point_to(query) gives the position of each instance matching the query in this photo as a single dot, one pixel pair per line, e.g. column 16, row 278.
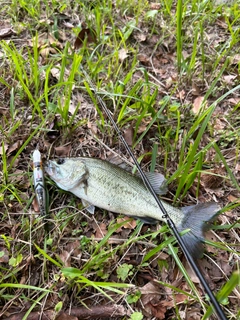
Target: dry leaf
column 14, row 147
column 232, row 198
column 128, row 136
column 122, row 54
column 56, row 71
column 101, row 230
column 35, row 205
column 5, row 148
column 46, row 44
column 219, row 125
column 44, row 52
column 72, row 107
column 212, row 181
column 181, row 94
column 229, row 78
column 143, row 58
column 65, row 256
column 195, row 90
column 85, row 33
column 63, row 151
column 151, row 301
column 5, row 32
column 191, row 273
column 140, row 37
column 4, row 258
column 93, row 127
column 234, row 101
column 128, row 225
column 68, row 25
column 155, row 6
column 235, row 59
column 197, row 104
column 169, row 82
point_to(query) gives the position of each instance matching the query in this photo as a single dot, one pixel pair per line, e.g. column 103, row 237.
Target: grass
column 149, row 64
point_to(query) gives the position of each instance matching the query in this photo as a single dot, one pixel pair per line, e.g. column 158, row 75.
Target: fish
column 105, row 185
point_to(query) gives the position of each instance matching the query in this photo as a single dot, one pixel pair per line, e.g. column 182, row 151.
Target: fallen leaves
column 5, row 32
column 63, row 151
column 46, row 44
column 122, row 54
column 86, row 34
column 156, row 301
column 14, row 147
column 197, row 104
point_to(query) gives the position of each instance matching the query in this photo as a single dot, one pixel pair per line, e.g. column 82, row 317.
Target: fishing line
column 169, row 221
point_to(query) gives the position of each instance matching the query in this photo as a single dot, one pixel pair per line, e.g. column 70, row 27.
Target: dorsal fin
column 157, row 181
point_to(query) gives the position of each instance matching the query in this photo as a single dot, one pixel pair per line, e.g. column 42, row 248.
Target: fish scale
column 107, row 186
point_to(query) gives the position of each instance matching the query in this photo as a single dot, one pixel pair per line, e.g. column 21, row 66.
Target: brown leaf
column 65, row 256
column 45, row 40
column 151, row 295
column 55, row 72
column 122, row 54
column 155, row 6
column 5, row 148
column 234, row 101
column 232, row 198
column 85, row 33
column 101, row 230
column 209, row 235
column 159, row 311
column 63, row 151
column 128, row 135
column 14, row 147
column 229, row 79
column 35, row 205
column 212, row 181
column 191, row 273
column 5, row 257
column 180, row 298
column 93, row 127
column 181, row 94
column 140, row 37
column 72, row 107
column 143, row 58
column 128, row 225
column 74, row 247
column 5, row 32
column 197, row 104
column 195, row 89
column 235, row 59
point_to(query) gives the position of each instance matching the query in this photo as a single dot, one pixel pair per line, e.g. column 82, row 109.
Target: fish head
column 66, row 172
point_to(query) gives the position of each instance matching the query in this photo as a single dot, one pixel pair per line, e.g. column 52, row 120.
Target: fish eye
column 60, row 161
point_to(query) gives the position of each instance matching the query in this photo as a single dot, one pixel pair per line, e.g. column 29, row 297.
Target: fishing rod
column 169, row 221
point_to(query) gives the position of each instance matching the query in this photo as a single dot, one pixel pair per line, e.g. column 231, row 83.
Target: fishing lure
column 38, row 178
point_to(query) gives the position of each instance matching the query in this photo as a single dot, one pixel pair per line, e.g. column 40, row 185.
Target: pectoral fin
column 89, row 207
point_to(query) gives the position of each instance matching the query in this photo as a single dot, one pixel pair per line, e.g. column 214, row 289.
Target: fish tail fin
column 197, row 218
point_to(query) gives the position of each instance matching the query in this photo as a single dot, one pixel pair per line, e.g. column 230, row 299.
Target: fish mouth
column 49, row 167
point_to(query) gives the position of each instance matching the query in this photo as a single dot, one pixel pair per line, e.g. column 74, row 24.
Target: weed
column 148, row 64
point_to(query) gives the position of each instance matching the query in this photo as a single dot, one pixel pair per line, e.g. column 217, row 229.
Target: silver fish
column 107, row 186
